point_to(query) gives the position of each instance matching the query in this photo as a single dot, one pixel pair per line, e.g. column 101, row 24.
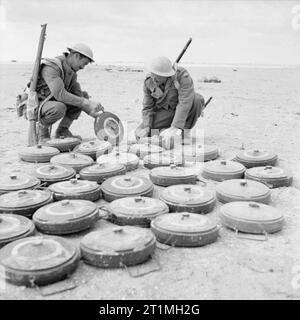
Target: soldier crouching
column 60, row 95
column 170, row 103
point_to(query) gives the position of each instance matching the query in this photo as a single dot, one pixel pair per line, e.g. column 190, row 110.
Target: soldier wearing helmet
column 60, row 94
column 170, row 101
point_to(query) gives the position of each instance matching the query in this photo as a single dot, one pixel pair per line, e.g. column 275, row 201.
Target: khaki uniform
column 176, row 104
column 58, row 91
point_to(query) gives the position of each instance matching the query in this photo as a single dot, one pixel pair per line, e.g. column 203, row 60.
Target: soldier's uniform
column 58, row 91
column 175, row 104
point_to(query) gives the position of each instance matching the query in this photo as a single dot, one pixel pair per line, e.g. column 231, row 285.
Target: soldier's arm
column 52, row 77
column 76, row 89
column 148, row 107
column 186, row 94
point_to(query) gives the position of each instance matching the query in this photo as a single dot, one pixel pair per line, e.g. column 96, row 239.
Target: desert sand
column 255, row 107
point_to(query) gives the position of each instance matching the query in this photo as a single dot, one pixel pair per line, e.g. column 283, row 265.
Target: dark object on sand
column 172, row 175
column 165, row 159
column 212, row 79
column 221, row 170
column 243, row 190
column 188, row 198
column 125, row 186
column 38, row 153
column 66, row 216
column 24, row 202
column 101, row 171
column 94, row 148
column 63, row 144
column 75, row 189
column 74, row 160
column 118, row 247
column 14, row 227
column 17, row 181
column 50, row 173
column 41, row 260
column 184, row 229
column 256, row 158
column 136, row 211
column 129, row 160
column 273, row 177
column 251, row 217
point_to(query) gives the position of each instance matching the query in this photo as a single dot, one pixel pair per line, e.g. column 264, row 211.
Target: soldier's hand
column 93, row 108
column 142, row 132
column 170, row 137
column 86, row 95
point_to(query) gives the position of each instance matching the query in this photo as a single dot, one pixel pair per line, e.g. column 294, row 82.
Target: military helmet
column 162, row 66
column 82, row 49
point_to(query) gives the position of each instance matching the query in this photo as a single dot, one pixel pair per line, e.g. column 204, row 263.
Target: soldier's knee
column 59, row 110
column 52, row 112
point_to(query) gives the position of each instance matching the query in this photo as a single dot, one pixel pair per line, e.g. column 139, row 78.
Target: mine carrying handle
column 183, row 50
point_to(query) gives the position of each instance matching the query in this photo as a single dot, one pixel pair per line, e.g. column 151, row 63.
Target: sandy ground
column 252, row 107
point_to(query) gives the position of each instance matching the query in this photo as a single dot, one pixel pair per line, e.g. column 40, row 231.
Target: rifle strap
column 41, row 105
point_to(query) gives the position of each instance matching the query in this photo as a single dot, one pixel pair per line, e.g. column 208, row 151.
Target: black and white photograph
column 148, row 152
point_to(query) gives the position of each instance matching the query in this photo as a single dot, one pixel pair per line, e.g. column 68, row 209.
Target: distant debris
column 122, row 69
column 234, row 69
column 129, row 69
column 13, row 109
column 210, row 79
column 13, row 60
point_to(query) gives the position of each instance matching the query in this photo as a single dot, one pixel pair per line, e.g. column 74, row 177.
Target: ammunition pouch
column 21, row 104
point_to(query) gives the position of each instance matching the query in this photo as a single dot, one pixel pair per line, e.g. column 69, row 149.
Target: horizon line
column 139, row 63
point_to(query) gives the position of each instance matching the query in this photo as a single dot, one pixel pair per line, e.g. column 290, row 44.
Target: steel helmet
column 82, row 49
column 162, row 66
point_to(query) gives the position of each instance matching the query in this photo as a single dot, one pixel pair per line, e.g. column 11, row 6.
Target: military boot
column 63, row 129
column 43, row 133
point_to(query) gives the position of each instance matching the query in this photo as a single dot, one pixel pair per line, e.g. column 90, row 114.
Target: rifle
column 32, row 101
column 177, row 61
column 183, row 51
column 180, row 56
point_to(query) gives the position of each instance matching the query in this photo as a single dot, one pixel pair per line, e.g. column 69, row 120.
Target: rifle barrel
column 38, row 58
column 183, row 50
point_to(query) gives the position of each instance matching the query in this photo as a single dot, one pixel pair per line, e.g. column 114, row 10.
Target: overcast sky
column 256, row 32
